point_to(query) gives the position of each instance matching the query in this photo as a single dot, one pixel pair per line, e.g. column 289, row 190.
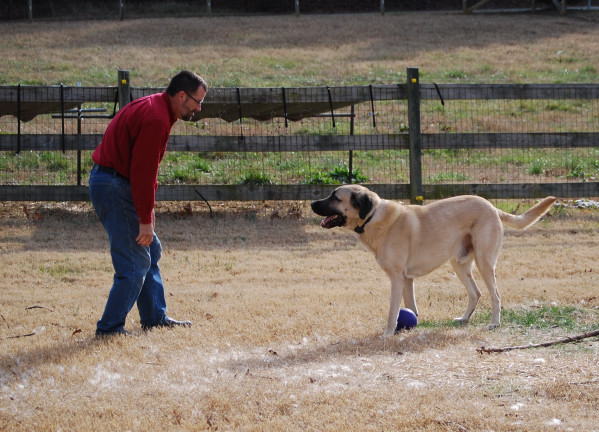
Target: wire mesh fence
column 550, row 139
column 293, row 158
column 497, row 141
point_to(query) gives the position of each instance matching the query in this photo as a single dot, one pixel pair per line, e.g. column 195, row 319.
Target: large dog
column 409, row 241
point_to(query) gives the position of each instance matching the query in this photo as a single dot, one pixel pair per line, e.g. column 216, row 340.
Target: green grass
column 567, row 318
column 538, row 166
column 255, row 178
column 180, row 167
column 443, row 177
column 566, row 164
column 439, row 166
column 53, row 161
column 339, row 175
column 583, row 168
column 61, row 269
column 544, row 317
column 455, row 75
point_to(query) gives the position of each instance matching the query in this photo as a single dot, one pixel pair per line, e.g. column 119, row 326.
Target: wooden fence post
column 382, row 7
column 30, row 9
column 121, row 10
column 415, row 136
column 209, row 7
column 297, row 8
column 124, row 88
column 19, row 119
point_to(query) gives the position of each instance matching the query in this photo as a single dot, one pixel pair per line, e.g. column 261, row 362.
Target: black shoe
column 104, row 333
column 167, row 322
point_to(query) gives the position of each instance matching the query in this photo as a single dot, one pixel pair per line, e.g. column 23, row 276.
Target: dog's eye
column 335, row 198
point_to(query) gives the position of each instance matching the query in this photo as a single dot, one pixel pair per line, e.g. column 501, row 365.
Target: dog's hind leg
column 409, row 299
column 486, row 267
column 487, row 245
column 463, row 269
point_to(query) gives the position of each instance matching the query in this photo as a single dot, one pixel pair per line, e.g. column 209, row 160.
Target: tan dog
column 409, row 241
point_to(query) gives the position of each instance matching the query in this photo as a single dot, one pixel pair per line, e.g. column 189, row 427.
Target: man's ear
column 363, row 202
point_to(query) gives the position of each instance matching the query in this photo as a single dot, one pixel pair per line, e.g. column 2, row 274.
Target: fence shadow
column 180, row 226
column 73, row 227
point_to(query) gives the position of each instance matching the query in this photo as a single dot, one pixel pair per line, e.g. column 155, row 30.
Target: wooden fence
column 210, row 7
column 27, row 101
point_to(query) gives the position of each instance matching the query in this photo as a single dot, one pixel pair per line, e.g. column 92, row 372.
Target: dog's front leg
column 397, row 286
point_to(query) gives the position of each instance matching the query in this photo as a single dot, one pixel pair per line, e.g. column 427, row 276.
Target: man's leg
column 111, row 197
column 151, row 302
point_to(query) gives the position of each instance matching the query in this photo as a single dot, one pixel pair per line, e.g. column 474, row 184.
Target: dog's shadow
column 405, row 342
column 21, row 361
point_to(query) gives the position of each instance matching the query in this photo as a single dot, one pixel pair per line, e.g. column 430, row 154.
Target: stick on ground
column 545, row 344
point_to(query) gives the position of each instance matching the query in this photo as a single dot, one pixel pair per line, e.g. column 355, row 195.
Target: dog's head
column 347, row 206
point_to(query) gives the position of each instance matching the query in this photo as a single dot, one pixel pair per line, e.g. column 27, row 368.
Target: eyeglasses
column 197, row 101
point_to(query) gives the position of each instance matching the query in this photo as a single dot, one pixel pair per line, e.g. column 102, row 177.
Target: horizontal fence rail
column 414, row 141
column 55, row 142
column 123, row 9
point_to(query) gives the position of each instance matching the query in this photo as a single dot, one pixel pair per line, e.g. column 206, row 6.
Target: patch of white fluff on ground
column 517, row 406
column 554, row 422
column 105, row 379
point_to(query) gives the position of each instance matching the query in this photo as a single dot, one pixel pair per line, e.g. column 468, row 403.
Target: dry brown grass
column 309, row 50
column 287, row 318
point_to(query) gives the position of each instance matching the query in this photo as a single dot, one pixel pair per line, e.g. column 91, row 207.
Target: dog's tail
column 525, row 220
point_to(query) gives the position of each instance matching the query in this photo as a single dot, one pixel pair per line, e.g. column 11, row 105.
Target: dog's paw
column 460, row 321
column 387, row 334
column 492, row 326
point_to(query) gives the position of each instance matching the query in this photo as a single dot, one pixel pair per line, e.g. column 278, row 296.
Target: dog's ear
column 363, row 202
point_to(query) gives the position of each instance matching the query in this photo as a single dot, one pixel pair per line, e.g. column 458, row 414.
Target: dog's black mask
column 325, row 207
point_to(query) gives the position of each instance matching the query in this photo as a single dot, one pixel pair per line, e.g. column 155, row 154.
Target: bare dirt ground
column 287, row 318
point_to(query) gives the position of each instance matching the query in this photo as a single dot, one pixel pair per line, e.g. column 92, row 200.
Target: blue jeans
column 136, row 272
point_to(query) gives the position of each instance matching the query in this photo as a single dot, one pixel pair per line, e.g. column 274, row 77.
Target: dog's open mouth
column 333, row 221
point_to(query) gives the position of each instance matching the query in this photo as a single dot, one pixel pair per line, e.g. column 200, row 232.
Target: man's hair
column 185, row 81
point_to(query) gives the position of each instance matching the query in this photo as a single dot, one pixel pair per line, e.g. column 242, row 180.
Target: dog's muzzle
column 333, row 217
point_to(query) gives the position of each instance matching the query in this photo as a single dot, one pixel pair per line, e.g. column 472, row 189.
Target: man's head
column 187, row 91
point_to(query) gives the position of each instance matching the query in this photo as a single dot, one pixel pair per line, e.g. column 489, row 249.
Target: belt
column 108, row 170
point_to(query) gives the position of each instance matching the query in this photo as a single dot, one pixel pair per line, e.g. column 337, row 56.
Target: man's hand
column 146, row 234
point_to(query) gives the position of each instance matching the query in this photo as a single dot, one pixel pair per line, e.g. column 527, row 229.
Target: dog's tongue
column 325, row 222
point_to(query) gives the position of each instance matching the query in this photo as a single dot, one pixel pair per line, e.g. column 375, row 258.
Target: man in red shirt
column 122, row 187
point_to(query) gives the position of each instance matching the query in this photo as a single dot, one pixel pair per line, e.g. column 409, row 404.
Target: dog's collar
column 360, row 229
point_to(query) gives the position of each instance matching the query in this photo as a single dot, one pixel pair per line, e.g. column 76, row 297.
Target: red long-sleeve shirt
column 134, row 144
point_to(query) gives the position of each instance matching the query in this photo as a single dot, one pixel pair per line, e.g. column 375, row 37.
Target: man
column 122, row 188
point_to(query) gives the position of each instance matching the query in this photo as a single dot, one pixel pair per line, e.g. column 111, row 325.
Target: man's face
column 192, row 103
